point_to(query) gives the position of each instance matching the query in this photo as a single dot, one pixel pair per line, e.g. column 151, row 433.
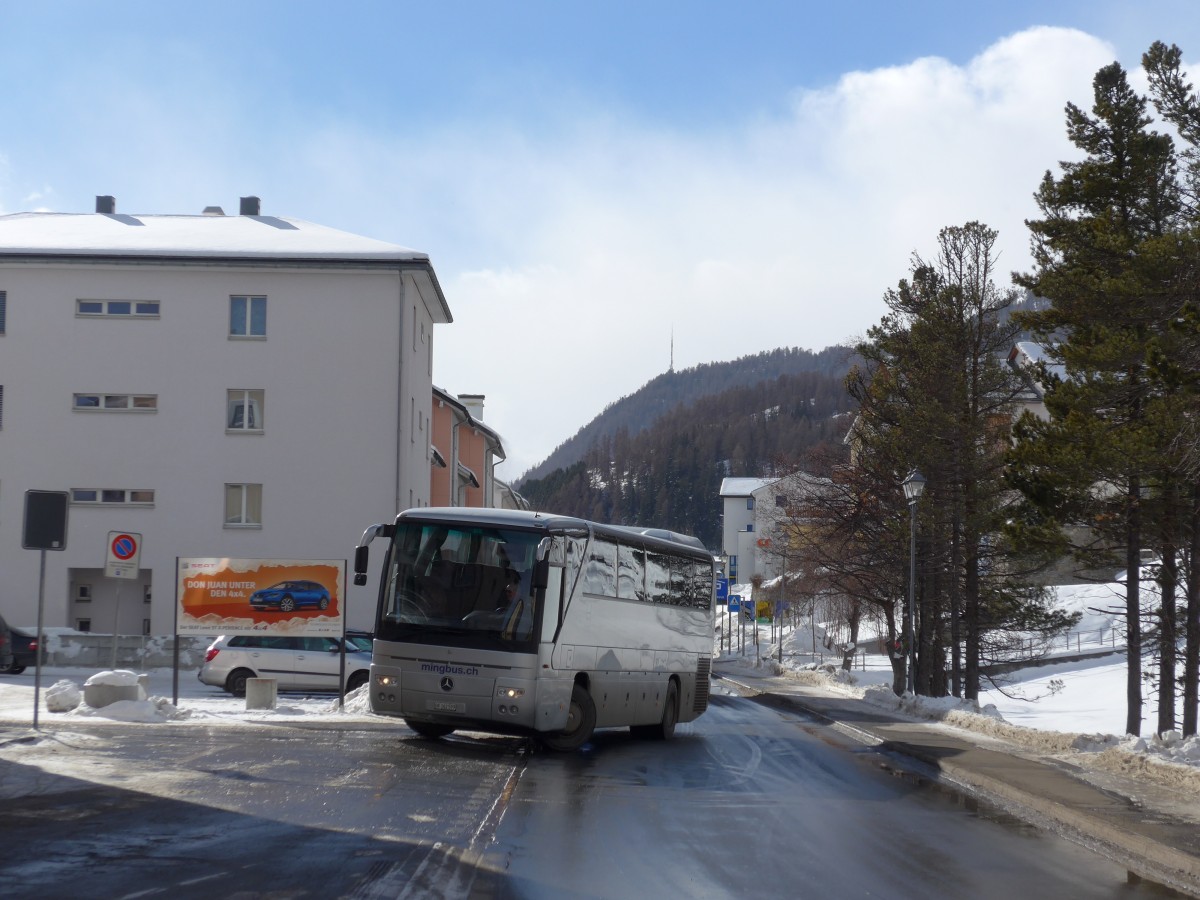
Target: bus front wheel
column 581, row 722
column 428, row 729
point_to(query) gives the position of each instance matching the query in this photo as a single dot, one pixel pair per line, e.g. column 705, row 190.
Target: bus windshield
column 470, row 581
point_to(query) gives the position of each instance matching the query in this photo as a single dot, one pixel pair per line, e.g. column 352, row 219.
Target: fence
column 1072, row 642
column 133, row 651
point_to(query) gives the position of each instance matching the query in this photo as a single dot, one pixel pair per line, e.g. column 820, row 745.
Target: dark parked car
column 289, row 595
column 24, row 650
column 6, row 655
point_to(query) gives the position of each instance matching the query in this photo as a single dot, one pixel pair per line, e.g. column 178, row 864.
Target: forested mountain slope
column 661, row 395
column 668, row 475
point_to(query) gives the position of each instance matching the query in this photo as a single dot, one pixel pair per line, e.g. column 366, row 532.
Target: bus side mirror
column 361, row 556
column 540, row 576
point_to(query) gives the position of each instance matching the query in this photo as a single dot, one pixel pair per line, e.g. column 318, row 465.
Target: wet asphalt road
column 746, row 801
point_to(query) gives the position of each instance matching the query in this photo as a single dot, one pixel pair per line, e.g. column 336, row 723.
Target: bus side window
column 600, row 569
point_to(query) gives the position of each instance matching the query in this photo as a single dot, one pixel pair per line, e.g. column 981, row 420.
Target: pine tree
column 1094, row 462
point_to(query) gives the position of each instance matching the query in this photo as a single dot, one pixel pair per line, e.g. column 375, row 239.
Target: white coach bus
column 528, row 623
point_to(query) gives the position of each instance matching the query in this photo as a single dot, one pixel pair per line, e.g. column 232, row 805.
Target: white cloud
column 569, row 253
column 772, row 233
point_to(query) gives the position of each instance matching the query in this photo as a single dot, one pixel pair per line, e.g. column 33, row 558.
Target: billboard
column 252, row 596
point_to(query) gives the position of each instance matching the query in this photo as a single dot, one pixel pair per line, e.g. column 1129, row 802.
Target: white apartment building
column 223, row 385
column 741, row 528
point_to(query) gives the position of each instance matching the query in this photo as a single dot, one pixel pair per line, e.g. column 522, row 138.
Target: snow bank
column 1168, row 760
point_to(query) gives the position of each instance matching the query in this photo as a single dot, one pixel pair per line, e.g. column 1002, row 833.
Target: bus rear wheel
column 664, row 730
column 581, row 722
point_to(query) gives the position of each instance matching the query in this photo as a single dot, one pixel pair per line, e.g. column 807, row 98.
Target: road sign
column 45, row 520
column 123, row 555
column 722, row 588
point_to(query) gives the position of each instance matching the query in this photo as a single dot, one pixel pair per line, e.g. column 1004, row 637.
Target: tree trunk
column 1167, row 634
column 1191, row 653
column 956, row 610
column 1133, row 621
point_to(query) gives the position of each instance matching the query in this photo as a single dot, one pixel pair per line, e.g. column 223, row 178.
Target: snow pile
column 358, row 703
column 152, row 709
column 63, row 696
column 118, row 678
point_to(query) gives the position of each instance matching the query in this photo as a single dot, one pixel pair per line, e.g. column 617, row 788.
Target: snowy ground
column 1073, row 710
column 198, row 703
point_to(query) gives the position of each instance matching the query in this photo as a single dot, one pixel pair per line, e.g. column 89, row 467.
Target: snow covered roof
column 1025, row 356
column 114, row 234
column 243, row 239
column 743, row 487
column 466, row 475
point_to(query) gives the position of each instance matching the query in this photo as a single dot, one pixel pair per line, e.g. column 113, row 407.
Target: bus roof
column 518, row 518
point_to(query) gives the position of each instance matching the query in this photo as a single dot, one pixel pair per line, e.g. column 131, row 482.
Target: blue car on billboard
column 289, row 595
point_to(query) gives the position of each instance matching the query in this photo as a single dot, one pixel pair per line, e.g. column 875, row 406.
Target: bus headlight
column 510, row 693
column 387, row 680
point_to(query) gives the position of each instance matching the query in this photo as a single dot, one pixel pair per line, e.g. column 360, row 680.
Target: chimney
column 213, row 211
column 474, row 405
column 250, row 206
column 106, row 204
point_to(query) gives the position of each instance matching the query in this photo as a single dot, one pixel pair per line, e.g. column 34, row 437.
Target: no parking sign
column 123, row 555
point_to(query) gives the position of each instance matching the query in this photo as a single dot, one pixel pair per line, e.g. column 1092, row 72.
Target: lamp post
column 913, row 485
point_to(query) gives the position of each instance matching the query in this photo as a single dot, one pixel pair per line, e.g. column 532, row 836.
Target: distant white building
column 225, row 386
column 741, row 528
column 758, row 515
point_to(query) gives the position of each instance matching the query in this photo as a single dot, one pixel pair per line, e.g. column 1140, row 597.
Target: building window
column 248, row 317
column 145, row 626
column 3, row 310
column 243, row 505
column 83, row 593
column 116, row 402
column 1, row 406
column 749, row 503
column 781, row 501
column 118, row 309
column 84, row 625
column 244, row 411
column 111, row 497
column 146, row 593
column 750, row 526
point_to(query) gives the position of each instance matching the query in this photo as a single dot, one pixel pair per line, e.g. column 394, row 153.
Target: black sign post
column 45, row 529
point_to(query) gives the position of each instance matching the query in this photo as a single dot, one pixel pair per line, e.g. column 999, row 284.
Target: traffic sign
column 123, row 555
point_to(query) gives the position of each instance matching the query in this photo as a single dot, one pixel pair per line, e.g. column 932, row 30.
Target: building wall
column 344, row 444
column 441, row 478
column 735, row 539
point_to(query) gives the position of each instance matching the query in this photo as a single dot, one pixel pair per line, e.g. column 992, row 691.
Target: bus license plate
column 445, row 706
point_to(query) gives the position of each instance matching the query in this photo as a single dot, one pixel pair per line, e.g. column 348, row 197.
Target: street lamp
column 913, row 486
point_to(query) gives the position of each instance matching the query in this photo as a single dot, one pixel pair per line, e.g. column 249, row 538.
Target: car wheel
column 287, row 604
column 15, row 669
column 324, row 603
column 357, row 680
column 236, row 682
column 581, row 722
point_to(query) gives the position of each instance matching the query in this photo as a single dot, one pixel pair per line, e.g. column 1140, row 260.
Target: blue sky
column 587, row 178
